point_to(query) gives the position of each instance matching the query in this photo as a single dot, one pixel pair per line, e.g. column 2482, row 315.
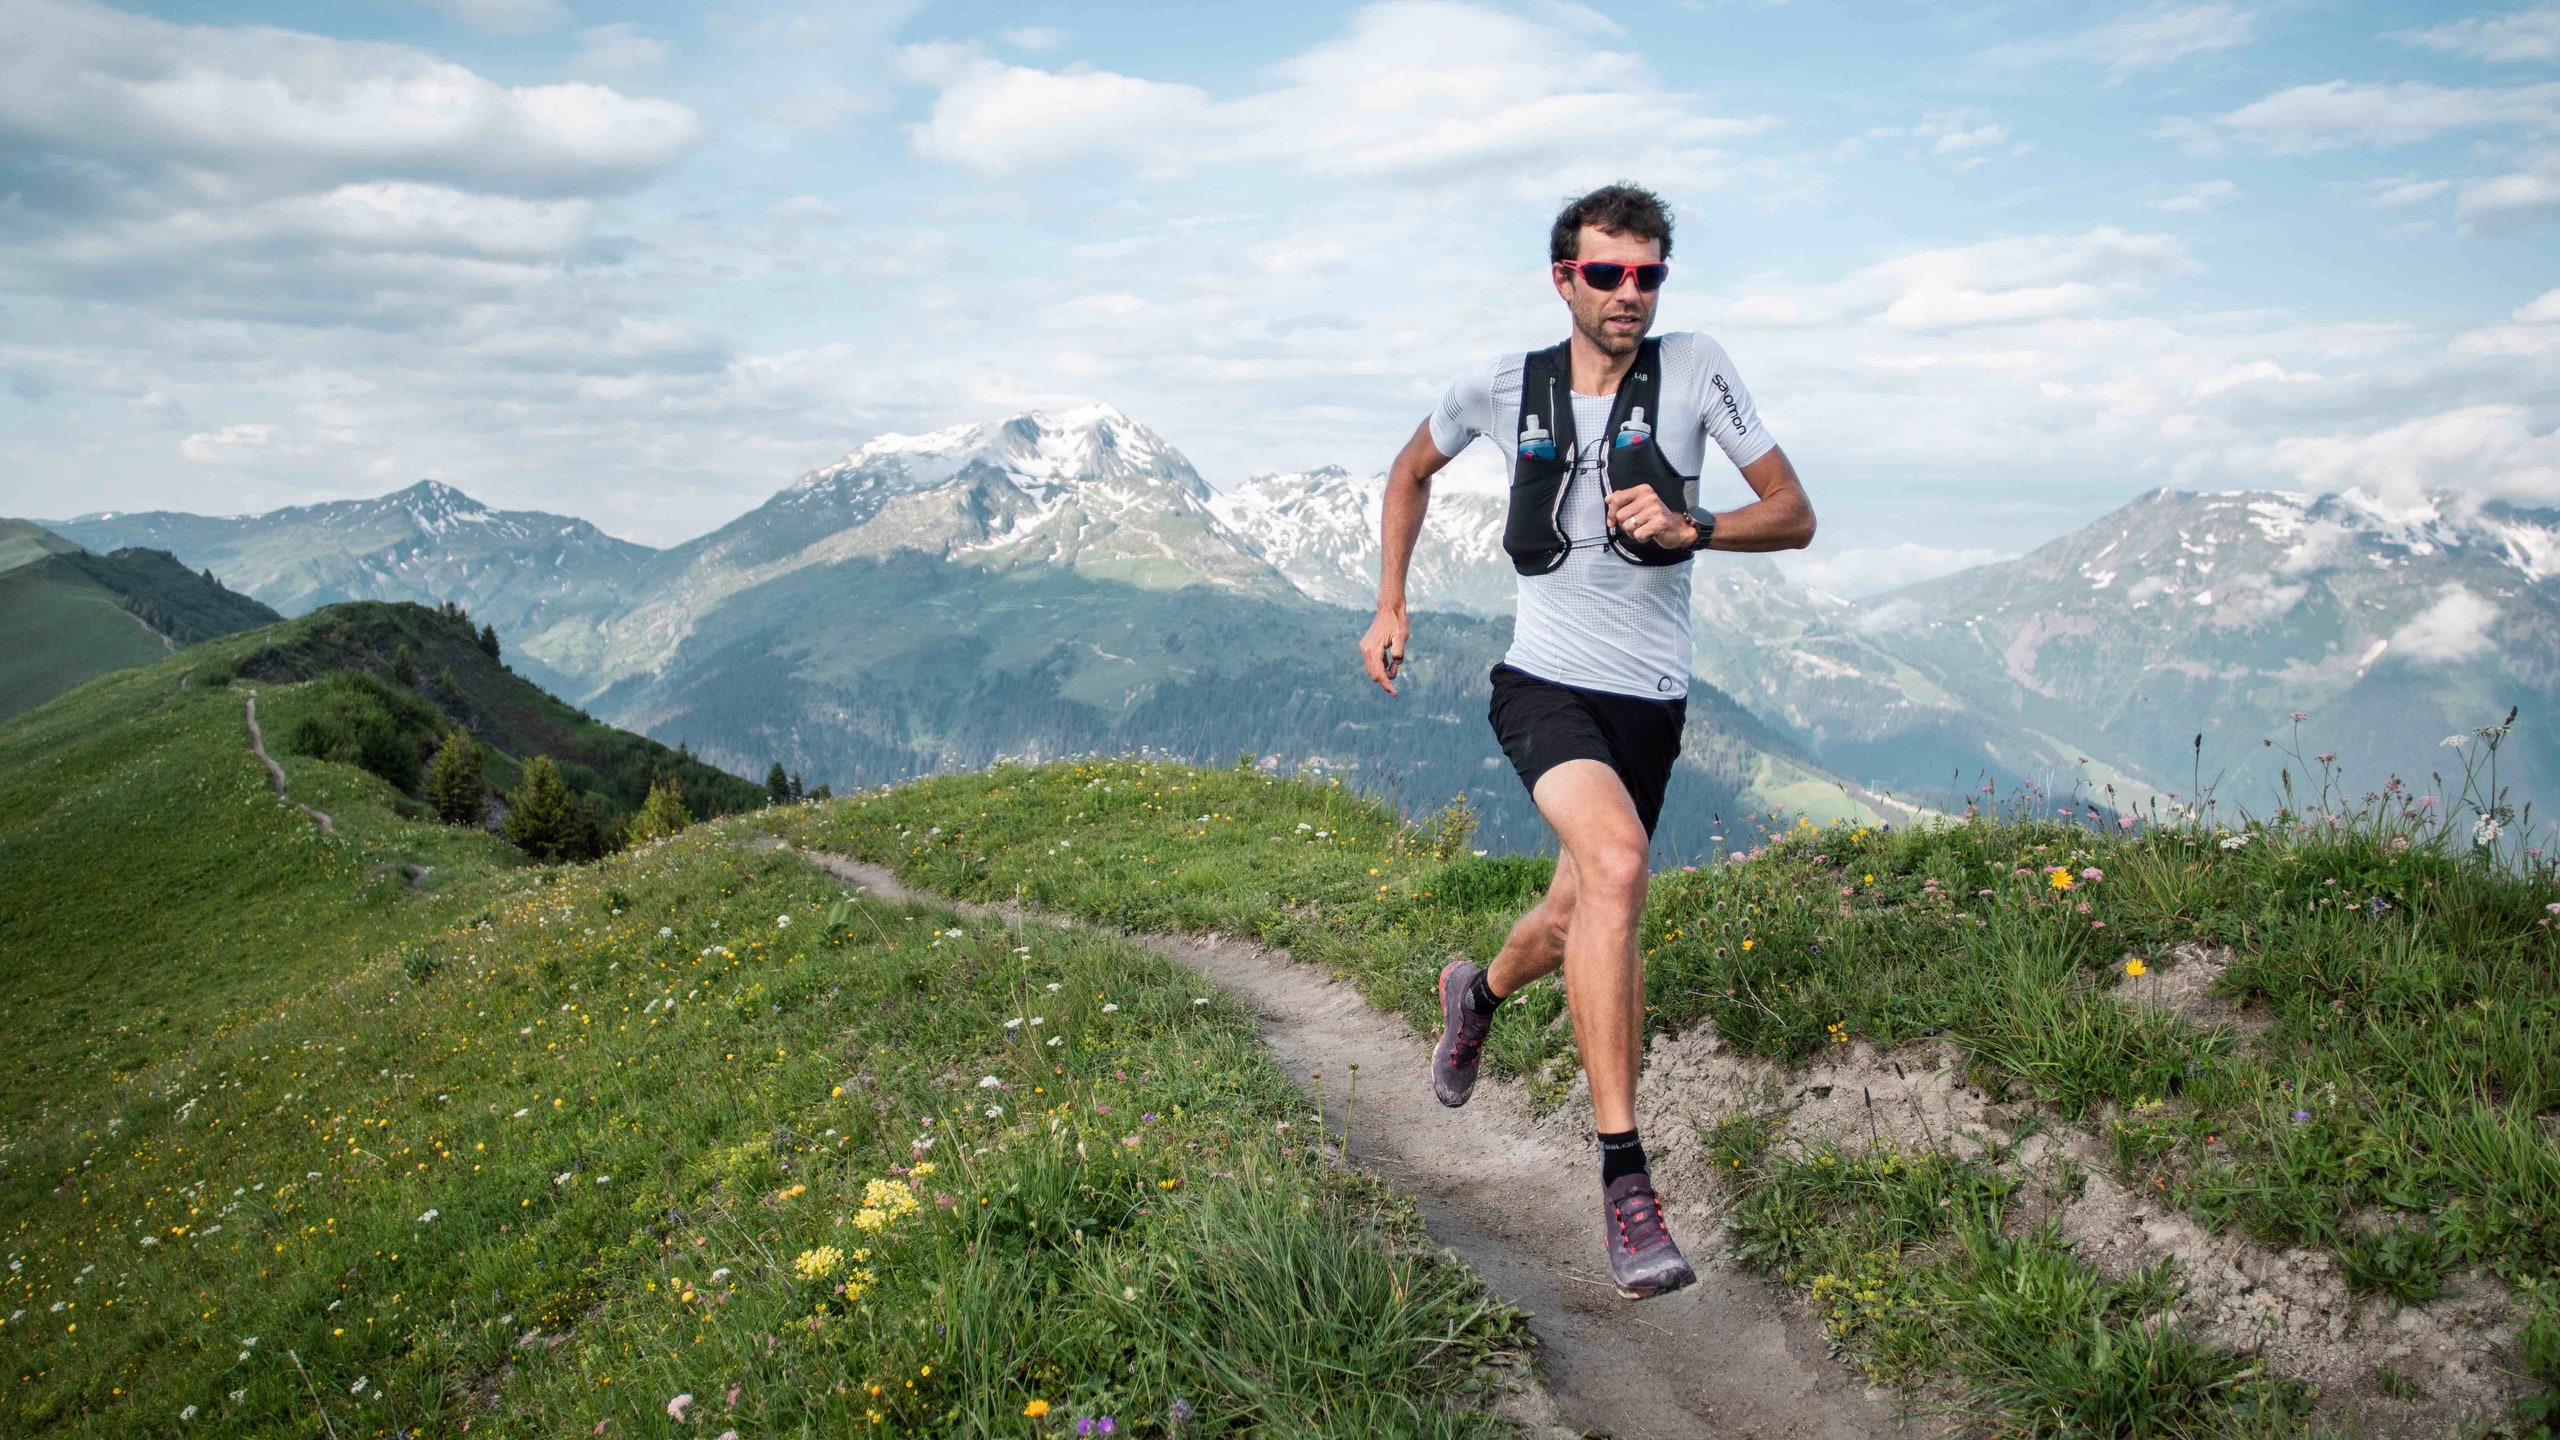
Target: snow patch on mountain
column 1321, row 528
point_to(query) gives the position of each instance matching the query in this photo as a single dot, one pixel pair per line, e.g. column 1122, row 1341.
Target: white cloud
column 1034, row 37
column 2401, row 192
column 1002, row 119
column 2339, row 113
column 2477, row 449
column 506, row 17
column 228, row 445
column 2139, row 40
column 2518, row 37
column 1416, row 89
column 2514, row 200
column 1872, row 570
column 276, row 109
column 2455, row 627
column 2202, row 195
column 613, row 49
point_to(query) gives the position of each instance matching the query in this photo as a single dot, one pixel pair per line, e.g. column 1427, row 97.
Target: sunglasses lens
column 1650, row 277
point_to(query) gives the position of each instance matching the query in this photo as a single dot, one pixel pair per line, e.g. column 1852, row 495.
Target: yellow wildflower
column 2059, row 878
column 1036, row 1409
column 2136, row 969
column 818, row 1264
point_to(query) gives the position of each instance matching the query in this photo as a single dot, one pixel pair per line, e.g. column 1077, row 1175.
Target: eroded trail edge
column 1728, row 1357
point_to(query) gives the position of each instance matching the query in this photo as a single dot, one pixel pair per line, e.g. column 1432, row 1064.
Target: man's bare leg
column 1597, row 830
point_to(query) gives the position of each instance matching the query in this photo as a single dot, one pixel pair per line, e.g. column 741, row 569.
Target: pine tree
column 777, row 783
column 662, row 814
column 796, row 791
column 489, row 640
column 454, row 784
column 547, row 820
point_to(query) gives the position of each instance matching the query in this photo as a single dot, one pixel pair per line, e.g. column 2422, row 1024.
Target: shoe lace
column 1469, row 1040
column 1639, row 1217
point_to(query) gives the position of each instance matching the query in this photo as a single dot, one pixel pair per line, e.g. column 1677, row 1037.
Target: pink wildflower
column 676, row 1407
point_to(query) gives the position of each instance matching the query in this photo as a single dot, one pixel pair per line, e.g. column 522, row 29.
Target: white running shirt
column 1597, row 622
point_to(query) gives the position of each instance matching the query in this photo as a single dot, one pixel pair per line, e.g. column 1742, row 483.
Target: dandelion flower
column 1036, row 1409
column 2136, row 969
column 2059, row 878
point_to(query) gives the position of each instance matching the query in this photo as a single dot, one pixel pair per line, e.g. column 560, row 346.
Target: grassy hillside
column 23, row 542
column 304, row 1149
column 2387, row 1101
column 434, row 655
column 67, row 616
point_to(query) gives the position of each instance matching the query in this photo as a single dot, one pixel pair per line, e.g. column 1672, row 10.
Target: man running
column 1604, row 435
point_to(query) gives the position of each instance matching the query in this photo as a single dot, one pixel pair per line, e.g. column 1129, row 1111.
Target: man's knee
column 1612, row 871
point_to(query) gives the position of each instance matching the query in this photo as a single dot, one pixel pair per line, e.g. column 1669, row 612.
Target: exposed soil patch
column 2184, row 985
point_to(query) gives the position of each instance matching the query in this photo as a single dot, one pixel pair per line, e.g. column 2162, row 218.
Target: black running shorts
column 1542, row 724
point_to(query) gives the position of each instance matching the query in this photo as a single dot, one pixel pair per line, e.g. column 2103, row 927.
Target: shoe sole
column 1683, row 1283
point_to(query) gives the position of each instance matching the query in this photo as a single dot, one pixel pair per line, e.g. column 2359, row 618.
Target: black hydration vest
column 1544, row 465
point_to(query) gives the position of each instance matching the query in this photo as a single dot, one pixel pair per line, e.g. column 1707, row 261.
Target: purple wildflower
column 2301, row 1114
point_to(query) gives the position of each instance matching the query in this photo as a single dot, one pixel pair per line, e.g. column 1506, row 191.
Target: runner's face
column 1614, row 320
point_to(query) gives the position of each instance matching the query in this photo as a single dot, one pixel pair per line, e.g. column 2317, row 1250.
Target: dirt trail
column 275, row 772
column 1520, row 1202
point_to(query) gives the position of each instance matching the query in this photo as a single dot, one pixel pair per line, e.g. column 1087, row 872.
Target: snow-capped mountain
column 523, row 570
column 1087, row 490
column 1320, row 528
column 2225, row 613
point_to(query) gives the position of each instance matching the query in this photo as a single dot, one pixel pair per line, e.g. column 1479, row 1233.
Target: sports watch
column 1705, row 520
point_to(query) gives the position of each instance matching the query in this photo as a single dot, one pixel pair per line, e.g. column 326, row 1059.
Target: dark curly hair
column 1613, row 209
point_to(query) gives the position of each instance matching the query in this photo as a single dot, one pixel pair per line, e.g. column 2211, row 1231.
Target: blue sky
column 1990, row 271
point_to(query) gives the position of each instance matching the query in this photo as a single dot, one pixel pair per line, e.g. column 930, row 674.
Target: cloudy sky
column 1989, row 272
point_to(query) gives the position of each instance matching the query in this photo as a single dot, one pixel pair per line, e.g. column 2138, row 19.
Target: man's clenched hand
column 1382, row 648
column 1639, row 514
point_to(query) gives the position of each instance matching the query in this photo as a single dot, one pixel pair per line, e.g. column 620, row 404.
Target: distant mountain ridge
column 2096, row 658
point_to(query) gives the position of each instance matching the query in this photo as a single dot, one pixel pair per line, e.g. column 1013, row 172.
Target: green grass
column 550, row 1147
column 153, row 891
column 58, row 628
column 2411, row 991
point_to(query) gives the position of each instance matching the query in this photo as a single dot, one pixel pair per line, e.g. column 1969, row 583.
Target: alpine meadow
column 1432, row 719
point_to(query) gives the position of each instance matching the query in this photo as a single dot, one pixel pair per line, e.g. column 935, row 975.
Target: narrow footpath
column 1726, row 1358
column 275, row 772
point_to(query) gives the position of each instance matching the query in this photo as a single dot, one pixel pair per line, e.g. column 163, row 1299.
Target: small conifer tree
column 662, row 814
column 489, row 640
column 777, row 783
column 454, row 780
column 547, row 820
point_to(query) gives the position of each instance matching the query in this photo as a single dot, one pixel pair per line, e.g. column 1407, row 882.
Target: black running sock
column 1620, row 1154
column 1480, row 997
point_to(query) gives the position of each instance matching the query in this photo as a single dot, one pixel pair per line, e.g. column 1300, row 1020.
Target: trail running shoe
column 1462, row 1032
column 1642, row 1258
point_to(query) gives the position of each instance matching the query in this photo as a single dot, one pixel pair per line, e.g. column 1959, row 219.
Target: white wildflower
column 1111, row 1009
column 989, row 1083
column 2234, row 842
column 995, row 1112
column 1054, row 986
column 1200, row 1000
column 664, row 931
column 428, row 1217
column 187, row 1414
column 1057, row 1039
column 1038, row 1019
column 781, row 922
column 1014, row 1024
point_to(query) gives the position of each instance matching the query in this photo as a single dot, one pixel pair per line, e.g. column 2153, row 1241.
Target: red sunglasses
column 1609, row 274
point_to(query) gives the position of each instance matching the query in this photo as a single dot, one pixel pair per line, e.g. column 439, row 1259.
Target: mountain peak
column 1042, row 453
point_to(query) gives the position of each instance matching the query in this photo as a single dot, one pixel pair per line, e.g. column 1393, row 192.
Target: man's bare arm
column 1408, row 495
column 1781, row 519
